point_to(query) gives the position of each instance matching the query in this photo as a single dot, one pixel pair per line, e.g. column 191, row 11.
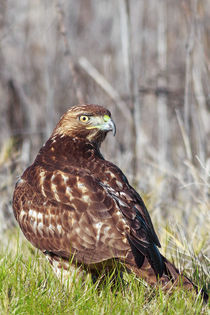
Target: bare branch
column 163, row 128
column 106, row 86
column 184, row 136
column 67, row 53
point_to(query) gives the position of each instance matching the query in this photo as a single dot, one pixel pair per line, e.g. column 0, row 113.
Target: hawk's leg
column 107, row 272
column 67, row 272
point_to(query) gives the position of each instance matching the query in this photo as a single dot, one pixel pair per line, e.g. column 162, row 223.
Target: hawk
column 80, row 210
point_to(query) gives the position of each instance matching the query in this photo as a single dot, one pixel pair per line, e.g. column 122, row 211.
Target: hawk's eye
column 84, row 118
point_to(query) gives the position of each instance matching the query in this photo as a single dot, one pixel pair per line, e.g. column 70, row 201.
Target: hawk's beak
column 109, row 126
column 104, row 123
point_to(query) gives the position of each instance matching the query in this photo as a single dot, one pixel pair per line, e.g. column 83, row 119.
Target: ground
column 29, row 286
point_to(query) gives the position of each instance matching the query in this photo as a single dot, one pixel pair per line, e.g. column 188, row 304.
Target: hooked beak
column 109, row 126
column 105, row 124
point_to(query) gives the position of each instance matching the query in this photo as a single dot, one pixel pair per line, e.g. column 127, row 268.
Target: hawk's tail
column 170, row 279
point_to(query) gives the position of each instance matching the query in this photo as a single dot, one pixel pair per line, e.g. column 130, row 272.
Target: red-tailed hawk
column 75, row 206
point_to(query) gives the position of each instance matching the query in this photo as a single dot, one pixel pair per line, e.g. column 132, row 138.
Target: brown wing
column 129, row 201
column 64, row 213
column 142, row 237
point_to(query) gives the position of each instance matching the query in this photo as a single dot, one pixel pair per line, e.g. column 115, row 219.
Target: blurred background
column 148, row 62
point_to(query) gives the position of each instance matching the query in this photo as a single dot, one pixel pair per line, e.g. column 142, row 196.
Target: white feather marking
column 98, row 226
column 110, row 190
column 121, row 203
column 54, row 189
column 59, row 228
column 126, row 196
column 32, row 213
column 119, row 184
column 42, row 178
column 34, row 226
column 40, row 228
column 85, row 198
column 80, row 185
column 125, row 240
column 51, row 228
column 22, row 213
column 65, row 178
column 40, row 216
column 77, row 230
column 119, row 214
column 68, row 192
column 20, row 181
column 106, row 229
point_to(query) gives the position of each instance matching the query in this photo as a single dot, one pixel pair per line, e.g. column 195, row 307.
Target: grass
column 29, row 286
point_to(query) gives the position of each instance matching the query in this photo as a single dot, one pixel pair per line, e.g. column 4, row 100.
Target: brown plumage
column 72, row 204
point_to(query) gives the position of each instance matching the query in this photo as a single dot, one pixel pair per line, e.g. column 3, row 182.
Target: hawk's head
column 91, row 122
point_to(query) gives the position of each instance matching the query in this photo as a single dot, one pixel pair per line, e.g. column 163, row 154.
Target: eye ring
column 84, row 118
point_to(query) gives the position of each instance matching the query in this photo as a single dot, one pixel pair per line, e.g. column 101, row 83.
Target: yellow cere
column 106, row 118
